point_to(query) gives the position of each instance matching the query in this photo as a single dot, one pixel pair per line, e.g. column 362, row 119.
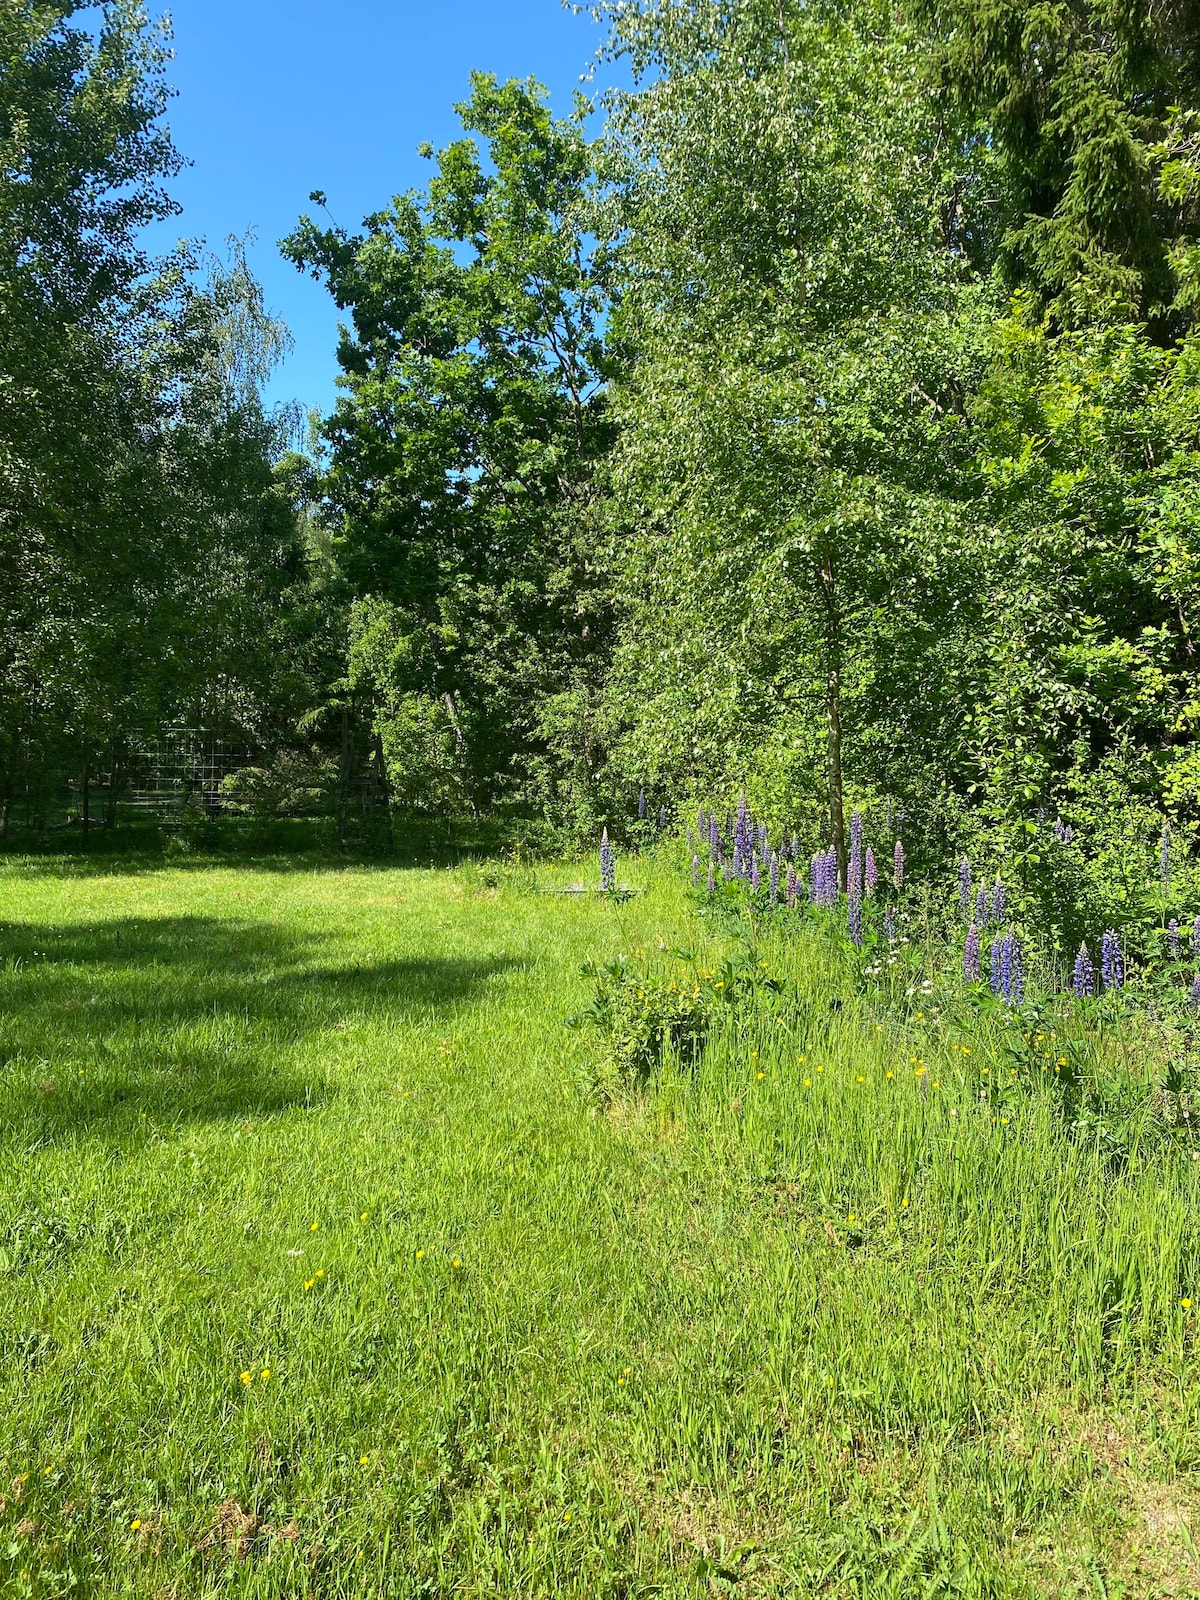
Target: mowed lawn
column 321, row 1272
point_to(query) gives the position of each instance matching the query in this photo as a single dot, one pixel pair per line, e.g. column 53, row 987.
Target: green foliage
column 1089, row 109
column 462, row 454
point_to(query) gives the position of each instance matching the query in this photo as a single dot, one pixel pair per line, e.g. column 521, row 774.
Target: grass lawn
column 321, row 1273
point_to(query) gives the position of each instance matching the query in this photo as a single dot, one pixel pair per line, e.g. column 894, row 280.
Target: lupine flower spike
column 1112, row 964
column 1196, row 937
column 791, row 884
column 982, row 906
column 1084, row 981
column 870, row 872
column 854, row 908
column 996, row 974
column 1196, row 994
column 854, row 874
column 608, row 866
column 971, row 955
column 712, row 881
column 641, row 805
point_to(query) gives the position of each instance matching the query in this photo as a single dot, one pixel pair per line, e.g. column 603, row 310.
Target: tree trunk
column 833, row 706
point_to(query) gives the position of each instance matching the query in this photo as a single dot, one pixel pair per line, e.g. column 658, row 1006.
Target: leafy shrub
column 648, row 1015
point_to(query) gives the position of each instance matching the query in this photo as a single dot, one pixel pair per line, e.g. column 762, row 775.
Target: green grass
column 853, row 1336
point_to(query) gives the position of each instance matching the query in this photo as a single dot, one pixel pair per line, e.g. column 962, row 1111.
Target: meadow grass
column 322, row 1272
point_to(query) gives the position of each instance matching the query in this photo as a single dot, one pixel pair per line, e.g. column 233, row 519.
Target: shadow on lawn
column 185, row 1018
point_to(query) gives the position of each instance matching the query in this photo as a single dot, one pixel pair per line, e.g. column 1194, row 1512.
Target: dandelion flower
column 247, row 1379
column 364, row 1461
column 364, row 1216
column 420, row 1255
column 314, row 1227
column 1186, row 1304
column 808, row 1083
column 136, row 1524
column 308, row 1282
column 266, row 1372
column 456, row 1262
column 761, row 1076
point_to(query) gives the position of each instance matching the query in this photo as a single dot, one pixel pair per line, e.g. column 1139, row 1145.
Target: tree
column 1091, row 109
column 464, row 445
column 793, row 456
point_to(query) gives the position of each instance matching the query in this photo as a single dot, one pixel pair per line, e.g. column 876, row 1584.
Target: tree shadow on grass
column 143, row 1020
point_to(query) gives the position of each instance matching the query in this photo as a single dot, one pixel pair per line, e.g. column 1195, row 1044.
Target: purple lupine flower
column 792, row 884
column 996, row 973
column 998, row 900
column 971, row 955
column 1173, row 939
column 815, row 879
column 641, row 805
column 714, row 839
column 898, row 865
column 831, row 876
column 964, row 888
column 1041, row 814
column 1196, row 937
column 1112, row 963
column 608, row 865
column 1165, row 857
column 796, row 853
column 854, row 908
column 889, row 924
column 1012, row 982
column 1059, row 829
column 1084, row 981
column 741, row 838
column 854, row 876
column 774, row 859
column 726, row 871
column 982, row 905
column 1196, row 994
column 755, row 872
column 712, row 880
column 870, row 873
column 695, row 872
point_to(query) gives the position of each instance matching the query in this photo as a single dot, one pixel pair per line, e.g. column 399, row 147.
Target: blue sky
column 280, row 97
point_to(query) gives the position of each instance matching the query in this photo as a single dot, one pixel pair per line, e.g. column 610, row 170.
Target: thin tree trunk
column 833, row 704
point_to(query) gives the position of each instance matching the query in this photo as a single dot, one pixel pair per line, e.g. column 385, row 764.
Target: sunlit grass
column 322, row 1274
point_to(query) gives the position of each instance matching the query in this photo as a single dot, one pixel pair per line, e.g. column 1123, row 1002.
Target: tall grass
column 766, row 1325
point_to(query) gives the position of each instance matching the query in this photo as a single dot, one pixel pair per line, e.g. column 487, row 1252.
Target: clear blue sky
column 280, row 97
